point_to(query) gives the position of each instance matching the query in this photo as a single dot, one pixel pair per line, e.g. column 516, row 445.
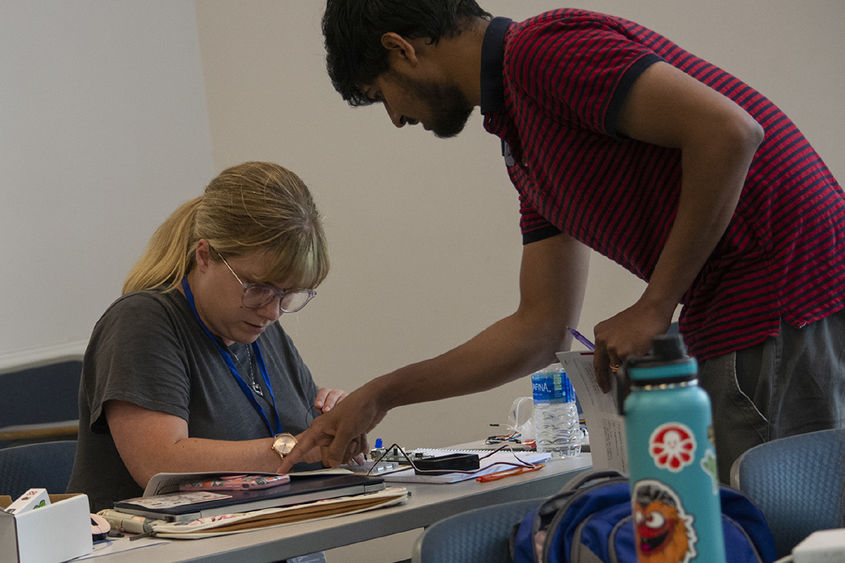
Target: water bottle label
column 664, row 531
column 552, row 387
column 672, row 446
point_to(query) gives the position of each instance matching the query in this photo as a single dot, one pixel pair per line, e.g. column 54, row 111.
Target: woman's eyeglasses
column 258, row 295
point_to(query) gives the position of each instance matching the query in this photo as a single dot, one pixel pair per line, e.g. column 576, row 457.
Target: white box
column 30, row 500
column 825, row 546
column 56, row 532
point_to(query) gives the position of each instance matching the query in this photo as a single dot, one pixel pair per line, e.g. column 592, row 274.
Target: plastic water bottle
column 672, row 458
column 556, row 427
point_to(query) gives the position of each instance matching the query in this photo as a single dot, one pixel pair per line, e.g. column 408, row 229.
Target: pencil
column 582, row 339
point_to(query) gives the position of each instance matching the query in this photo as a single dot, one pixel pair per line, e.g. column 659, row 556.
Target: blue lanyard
column 232, row 368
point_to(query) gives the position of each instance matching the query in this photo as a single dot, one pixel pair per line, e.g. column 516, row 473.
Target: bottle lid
column 667, row 362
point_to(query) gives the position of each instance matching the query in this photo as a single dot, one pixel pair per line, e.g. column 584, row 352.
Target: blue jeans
column 791, row 383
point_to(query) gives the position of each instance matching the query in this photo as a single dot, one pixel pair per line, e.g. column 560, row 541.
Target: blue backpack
column 589, row 521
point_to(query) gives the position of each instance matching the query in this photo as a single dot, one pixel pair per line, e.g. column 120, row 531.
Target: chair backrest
column 40, row 401
column 798, row 482
column 46, row 465
column 476, row 536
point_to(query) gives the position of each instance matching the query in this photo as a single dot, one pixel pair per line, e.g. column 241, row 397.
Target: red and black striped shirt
column 552, row 88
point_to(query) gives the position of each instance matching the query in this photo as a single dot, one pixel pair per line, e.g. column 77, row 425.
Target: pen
column 508, row 473
column 582, row 339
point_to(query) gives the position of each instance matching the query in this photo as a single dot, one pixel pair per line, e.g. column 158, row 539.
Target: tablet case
column 301, row 489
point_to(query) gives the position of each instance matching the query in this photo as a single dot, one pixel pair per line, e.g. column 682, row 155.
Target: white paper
column 604, row 423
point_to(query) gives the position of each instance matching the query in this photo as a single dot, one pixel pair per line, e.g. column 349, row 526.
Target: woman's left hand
column 327, row 398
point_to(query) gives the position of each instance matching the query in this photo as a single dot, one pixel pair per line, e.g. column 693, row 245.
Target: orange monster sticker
column 662, row 528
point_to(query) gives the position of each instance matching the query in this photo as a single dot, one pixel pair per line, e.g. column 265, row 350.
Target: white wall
column 103, row 131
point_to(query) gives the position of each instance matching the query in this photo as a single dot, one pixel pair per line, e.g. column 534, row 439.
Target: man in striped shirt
column 619, row 140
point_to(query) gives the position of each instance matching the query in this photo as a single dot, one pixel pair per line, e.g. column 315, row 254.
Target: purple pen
column 582, row 339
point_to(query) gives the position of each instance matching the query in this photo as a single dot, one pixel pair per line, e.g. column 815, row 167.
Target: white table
column 426, row 505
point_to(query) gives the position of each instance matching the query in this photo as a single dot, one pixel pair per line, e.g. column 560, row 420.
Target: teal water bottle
column 671, row 458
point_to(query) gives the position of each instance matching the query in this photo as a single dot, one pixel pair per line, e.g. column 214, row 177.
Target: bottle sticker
column 672, row 446
column 708, row 460
column 664, row 531
column 708, row 464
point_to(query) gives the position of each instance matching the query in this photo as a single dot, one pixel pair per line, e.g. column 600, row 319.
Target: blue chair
column 798, row 482
column 475, row 536
column 39, row 401
column 45, row 465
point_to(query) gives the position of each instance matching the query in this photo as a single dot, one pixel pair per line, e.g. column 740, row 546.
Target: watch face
column 283, row 444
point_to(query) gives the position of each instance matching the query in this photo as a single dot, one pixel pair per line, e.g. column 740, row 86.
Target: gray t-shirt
column 148, row 349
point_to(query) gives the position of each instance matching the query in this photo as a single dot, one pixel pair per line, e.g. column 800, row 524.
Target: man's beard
column 448, row 106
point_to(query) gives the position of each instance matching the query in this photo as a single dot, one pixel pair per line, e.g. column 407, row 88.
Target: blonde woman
column 189, row 370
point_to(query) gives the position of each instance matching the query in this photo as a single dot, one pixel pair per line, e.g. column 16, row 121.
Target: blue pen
column 582, row 339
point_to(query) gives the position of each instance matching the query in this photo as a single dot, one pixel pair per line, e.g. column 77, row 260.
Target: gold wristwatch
column 283, row 444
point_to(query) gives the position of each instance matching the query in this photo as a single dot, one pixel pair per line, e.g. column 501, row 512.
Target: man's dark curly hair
column 353, row 28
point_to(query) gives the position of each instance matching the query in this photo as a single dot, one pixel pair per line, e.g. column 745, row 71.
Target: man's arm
column 552, row 279
column 717, row 139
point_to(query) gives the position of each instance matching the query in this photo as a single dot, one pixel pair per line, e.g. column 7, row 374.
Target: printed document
column 604, row 423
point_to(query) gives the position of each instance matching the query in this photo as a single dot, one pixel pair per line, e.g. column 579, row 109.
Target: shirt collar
column 492, row 65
